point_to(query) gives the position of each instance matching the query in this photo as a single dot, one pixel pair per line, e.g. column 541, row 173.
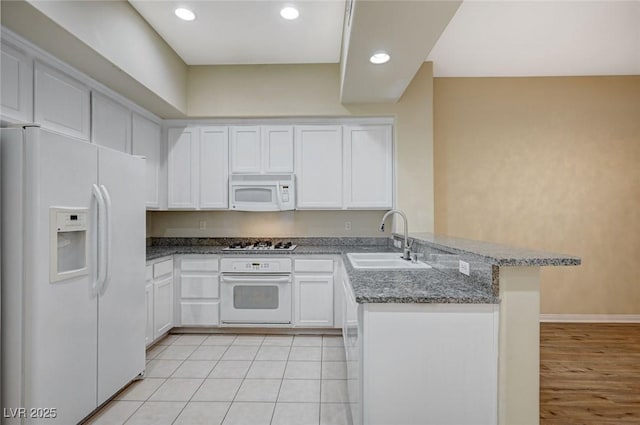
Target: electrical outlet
column 203, row 225
column 463, row 267
column 347, row 225
column 397, row 243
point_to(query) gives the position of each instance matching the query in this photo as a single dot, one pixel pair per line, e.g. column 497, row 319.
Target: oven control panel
column 255, row 265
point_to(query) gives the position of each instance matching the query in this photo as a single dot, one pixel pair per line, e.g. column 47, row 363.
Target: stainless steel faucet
column 406, row 252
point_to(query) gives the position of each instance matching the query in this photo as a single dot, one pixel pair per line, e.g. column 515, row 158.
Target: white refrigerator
column 73, row 275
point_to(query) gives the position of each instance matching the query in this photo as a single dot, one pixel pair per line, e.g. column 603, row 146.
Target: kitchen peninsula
column 405, row 325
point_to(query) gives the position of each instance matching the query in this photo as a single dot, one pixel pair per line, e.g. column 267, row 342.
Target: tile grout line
column 163, row 382
column 145, row 366
column 205, row 379
column 200, row 386
column 286, row 363
column 242, row 380
column 321, row 362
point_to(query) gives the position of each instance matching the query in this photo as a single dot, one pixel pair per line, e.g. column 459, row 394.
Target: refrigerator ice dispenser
column 69, row 251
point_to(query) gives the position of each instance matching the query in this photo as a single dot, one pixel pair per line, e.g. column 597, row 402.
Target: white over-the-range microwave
column 262, row 192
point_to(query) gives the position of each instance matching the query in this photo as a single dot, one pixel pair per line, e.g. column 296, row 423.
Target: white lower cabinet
column 199, row 290
column 421, row 364
column 159, row 298
column 162, row 306
column 148, row 291
column 313, row 293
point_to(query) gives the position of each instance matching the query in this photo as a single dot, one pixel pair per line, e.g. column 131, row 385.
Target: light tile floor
column 236, row 380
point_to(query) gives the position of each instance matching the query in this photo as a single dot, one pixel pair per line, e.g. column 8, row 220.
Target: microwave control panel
column 285, row 193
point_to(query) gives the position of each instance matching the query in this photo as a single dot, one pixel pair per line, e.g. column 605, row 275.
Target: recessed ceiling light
column 379, row 58
column 185, row 14
column 289, row 13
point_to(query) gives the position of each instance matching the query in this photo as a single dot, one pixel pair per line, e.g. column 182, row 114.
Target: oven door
column 255, row 298
column 245, row 197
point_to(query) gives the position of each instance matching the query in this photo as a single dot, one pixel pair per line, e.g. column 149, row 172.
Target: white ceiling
column 540, row 38
column 248, row 32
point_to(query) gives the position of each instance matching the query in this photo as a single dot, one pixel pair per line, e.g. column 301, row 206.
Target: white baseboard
column 591, row 318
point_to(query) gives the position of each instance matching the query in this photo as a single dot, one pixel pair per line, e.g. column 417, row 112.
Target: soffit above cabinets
column 244, row 32
column 406, row 30
column 540, row 38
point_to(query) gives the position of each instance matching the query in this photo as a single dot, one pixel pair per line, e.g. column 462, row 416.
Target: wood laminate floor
column 589, row 374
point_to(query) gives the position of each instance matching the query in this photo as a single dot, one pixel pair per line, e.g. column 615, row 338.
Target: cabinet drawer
column 199, row 313
column 199, row 264
column 199, row 286
column 162, row 268
column 149, row 273
column 314, row 266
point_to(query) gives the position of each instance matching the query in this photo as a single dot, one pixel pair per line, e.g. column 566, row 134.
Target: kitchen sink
column 383, row 261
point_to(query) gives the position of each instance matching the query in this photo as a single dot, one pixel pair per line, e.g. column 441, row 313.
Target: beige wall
column 314, row 90
column 264, row 224
column 547, row 163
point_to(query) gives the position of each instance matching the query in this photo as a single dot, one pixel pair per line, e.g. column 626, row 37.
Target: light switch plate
column 463, row 267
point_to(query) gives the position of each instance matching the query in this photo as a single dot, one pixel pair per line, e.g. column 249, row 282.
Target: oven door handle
column 253, row 279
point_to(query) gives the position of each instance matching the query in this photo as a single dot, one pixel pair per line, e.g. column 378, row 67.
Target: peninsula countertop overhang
column 440, row 284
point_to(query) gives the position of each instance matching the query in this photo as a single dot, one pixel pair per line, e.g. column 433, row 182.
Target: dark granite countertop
column 495, row 254
column 434, row 285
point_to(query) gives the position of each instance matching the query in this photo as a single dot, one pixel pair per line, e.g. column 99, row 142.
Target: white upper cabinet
column 319, row 166
column 277, row 149
column 61, row 102
column 198, row 170
column 262, row 149
column 146, row 138
column 182, row 168
column 368, row 166
column 17, row 84
column 246, row 149
column 110, row 123
column 214, row 168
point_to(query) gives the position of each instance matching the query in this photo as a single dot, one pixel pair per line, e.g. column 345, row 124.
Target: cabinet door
column 214, row 168
column 110, row 124
column 61, row 102
column 313, row 300
column 17, row 84
column 148, row 336
column 162, row 306
column 245, row 150
column 182, row 181
column 319, row 167
column 200, row 313
column 146, row 142
column 199, row 285
column 368, row 166
column 277, row 149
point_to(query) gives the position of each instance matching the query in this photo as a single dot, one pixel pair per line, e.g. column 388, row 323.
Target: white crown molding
column 339, row 120
column 590, row 318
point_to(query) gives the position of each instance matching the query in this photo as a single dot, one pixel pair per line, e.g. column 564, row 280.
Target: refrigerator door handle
column 101, row 274
column 108, row 234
